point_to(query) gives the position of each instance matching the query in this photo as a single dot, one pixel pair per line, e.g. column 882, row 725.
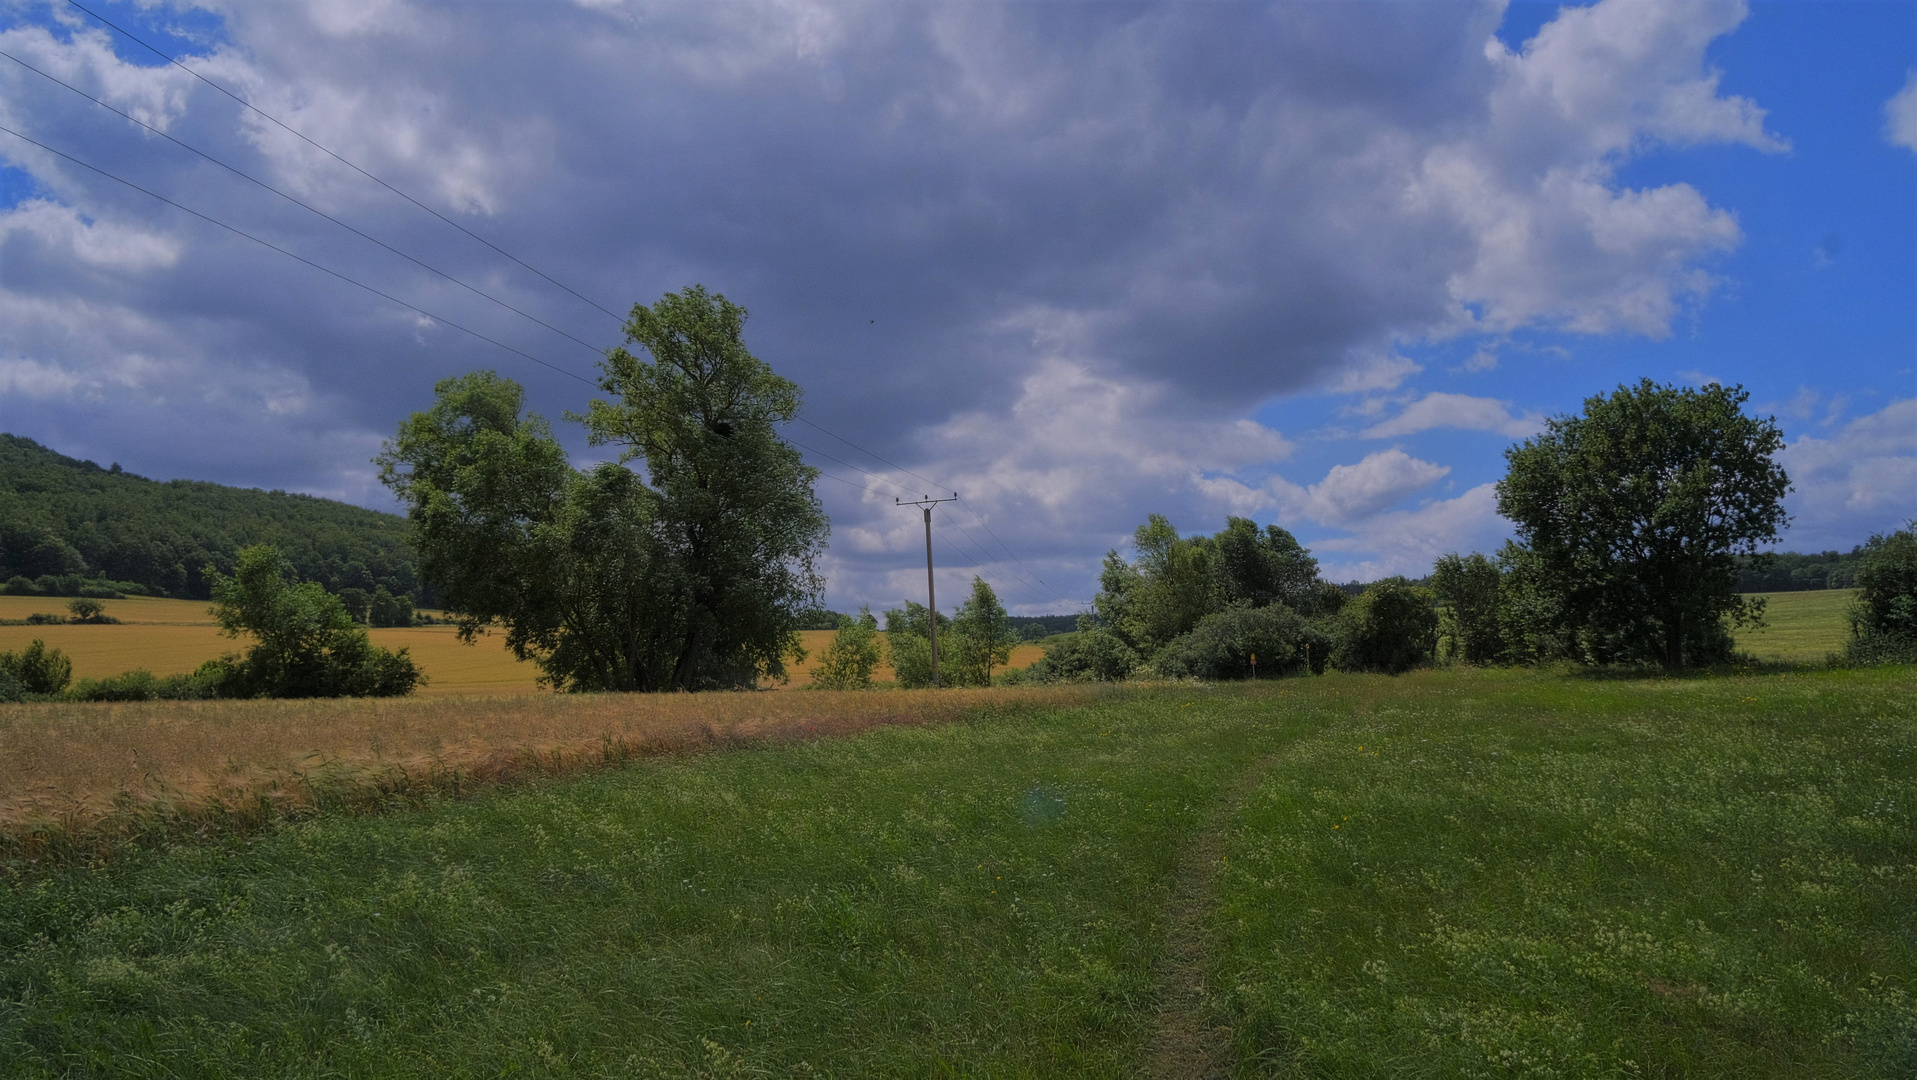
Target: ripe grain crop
column 1800, row 627
column 81, row 778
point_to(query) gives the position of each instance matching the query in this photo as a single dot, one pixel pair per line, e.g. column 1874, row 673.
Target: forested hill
column 75, row 521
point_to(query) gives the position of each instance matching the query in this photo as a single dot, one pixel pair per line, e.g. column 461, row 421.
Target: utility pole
column 931, row 595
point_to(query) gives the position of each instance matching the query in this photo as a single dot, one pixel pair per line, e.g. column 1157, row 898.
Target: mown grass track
column 1533, row 889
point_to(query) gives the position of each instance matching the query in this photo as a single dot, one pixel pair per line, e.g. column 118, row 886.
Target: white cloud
column 1349, row 493
column 1860, row 479
column 1462, row 411
column 1900, row 115
column 1386, row 372
column 1482, row 361
column 1409, row 542
column 110, row 244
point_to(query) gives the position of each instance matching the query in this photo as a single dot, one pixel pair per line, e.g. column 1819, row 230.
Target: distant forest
column 69, row 527
column 1791, row 572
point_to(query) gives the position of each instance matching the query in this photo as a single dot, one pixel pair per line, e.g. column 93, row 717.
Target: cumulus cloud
column 1052, row 254
column 1900, row 115
column 1349, row 493
column 1860, row 479
column 1408, row 542
column 1462, row 411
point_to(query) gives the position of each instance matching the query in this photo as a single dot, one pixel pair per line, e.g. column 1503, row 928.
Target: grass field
column 168, row 637
column 1452, row 873
column 1804, row 627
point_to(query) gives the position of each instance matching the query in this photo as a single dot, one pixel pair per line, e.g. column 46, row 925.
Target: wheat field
column 169, row 637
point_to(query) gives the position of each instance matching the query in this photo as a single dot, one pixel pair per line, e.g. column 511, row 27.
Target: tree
column 82, row 609
column 1637, row 511
column 305, row 645
column 1259, row 567
column 908, row 641
column 694, row 578
column 1467, row 591
column 1389, row 628
column 848, row 663
column 1163, row 593
column 981, row 638
column 385, row 609
column 1883, row 620
column 357, row 603
column 38, row 669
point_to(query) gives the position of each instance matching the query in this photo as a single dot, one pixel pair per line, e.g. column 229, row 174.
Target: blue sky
column 1317, row 264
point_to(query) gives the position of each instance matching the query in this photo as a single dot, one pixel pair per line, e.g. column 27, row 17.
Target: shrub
column 143, row 685
column 982, row 639
column 1391, row 628
column 46, row 618
column 39, row 669
column 908, row 643
column 12, row 690
column 848, row 662
column 1222, row 645
column 1093, row 654
column 21, row 585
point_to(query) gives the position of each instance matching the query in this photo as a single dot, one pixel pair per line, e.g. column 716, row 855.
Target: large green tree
column 1636, row 512
column 691, row 578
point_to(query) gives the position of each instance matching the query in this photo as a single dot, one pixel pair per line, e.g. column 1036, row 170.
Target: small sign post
column 1254, row 665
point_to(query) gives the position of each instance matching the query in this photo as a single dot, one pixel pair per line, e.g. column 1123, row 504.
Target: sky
column 1315, row 264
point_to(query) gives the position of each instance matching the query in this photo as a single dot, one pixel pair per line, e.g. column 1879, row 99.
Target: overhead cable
column 297, row 258
column 303, row 205
column 329, row 153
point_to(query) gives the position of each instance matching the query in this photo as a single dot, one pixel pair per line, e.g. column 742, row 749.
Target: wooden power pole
column 931, row 595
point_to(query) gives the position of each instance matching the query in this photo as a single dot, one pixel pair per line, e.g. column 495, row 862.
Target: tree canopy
column 1636, row 512
column 693, row 577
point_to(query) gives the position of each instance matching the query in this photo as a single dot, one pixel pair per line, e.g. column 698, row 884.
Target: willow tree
column 691, row 577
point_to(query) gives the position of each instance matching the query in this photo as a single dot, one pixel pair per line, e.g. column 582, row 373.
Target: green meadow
column 1450, row 873
column 1800, row 627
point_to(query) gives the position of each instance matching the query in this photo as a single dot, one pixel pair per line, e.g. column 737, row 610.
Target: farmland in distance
column 170, row 637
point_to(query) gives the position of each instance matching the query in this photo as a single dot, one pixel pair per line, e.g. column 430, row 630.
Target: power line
column 276, row 122
column 297, row 258
column 489, row 244
column 942, row 487
column 302, row 205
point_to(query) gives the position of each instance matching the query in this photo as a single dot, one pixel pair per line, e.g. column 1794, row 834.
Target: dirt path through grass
column 1187, row 1042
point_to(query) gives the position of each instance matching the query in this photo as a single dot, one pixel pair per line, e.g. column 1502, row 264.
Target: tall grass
column 84, row 778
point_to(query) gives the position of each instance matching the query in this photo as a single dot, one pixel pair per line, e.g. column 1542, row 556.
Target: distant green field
column 1805, row 627
column 1450, row 873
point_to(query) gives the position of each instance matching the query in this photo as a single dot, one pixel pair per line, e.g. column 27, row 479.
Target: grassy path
column 1446, row 874
column 1187, row 1041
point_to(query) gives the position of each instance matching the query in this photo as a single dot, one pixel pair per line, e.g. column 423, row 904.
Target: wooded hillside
column 77, row 521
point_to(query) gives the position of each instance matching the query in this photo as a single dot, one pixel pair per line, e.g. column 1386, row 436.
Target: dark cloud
column 993, row 242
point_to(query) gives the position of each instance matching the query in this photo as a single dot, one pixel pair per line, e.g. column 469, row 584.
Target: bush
column 143, row 685
column 848, row 662
column 1222, row 645
column 1093, row 654
column 12, row 690
column 46, row 618
column 21, row 585
column 40, row 669
column 1467, row 589
column 1390, row 628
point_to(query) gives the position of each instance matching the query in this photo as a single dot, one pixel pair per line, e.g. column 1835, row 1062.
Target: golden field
column 169, row 637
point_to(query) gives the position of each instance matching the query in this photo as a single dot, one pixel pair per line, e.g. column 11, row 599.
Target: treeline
column 1787, row 571
column 71, row 528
